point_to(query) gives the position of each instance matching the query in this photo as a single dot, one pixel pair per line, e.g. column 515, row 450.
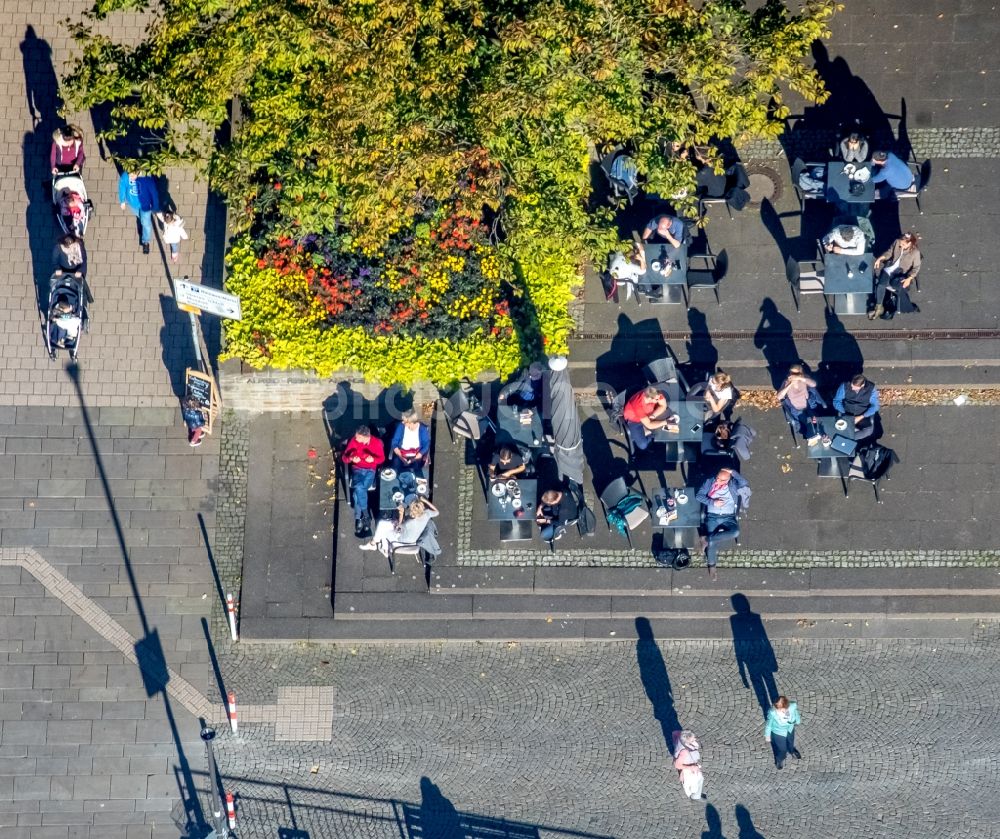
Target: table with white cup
column 393, row 490
column 828, row 459
column 512, row 499
column 680, row 531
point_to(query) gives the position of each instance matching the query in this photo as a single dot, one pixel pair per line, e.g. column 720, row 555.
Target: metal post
column 220, row 829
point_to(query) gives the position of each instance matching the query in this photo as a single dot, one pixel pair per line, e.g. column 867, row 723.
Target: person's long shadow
column 754, row 654
column 618, row 368
column 42, row 91
column 438, row 817
column 745, row 824
column 841, row 355
column 713, row 824
column 703, row 357
column 775, row 340
column 655, row 681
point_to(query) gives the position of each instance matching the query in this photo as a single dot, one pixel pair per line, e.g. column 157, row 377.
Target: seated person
column 194, row 415
column 527, row 390
column 718, row 393
column 799, row 398
column 669, row 229
column 65, row 324
column 858, row 398
column 646, row 412
column 733, row 438
column 363, row 455
column 722, row 496
column 507, row 463
column 68, row 255
column 854, row 148
column 411, row 445
column 555, row 509
column 891, row 174
column 896, row 269
column 845, row 238
column 404, row 529
column 627, row 268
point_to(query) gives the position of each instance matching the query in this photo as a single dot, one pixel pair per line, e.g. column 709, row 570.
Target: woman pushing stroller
column 67, row 154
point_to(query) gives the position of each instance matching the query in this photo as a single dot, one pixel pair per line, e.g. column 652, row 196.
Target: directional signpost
column 196, row 298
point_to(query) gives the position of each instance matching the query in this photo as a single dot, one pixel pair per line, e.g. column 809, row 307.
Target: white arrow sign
column 205, row 299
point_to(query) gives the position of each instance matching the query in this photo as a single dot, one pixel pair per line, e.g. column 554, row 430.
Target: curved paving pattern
column 899, row 739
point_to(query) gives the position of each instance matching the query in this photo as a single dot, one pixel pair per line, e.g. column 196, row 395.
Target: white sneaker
column 368, row 546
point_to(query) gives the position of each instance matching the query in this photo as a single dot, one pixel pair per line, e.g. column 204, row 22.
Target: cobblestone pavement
column 898, row 739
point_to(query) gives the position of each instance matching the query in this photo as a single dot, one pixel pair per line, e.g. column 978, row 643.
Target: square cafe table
column 512, row 429
column 691, row 425
column 386, row 488
column 828, row 459
column 674, row 287
column 838, row 184
column 497, row 511
column 850, row 280
column 682, row 532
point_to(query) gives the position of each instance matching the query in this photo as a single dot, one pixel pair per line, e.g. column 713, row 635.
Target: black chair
column 921, row 177
column 619, row 188
column 798, row 167
column 705, row 273
column 871, row 465
column 664, row 371
column 464, row 415
column 805, row 277
column 616, row 492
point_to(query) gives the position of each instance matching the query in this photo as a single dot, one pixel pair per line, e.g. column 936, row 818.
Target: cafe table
column 682, row 531
column 690, row 426
column 515, row 523
column 387, row 487
column 849, row 279
column 674, row 285
column 838, row 184
column 520, row 425
column 828, row 460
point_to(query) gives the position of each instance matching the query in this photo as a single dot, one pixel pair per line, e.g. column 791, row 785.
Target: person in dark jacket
column 411, row 445
column 722, row 496
column 858, row 398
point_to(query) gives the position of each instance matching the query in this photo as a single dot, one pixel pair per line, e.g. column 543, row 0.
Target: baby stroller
column 73, row 207
column 66, row 318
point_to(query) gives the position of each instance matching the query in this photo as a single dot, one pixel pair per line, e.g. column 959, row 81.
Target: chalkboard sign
column 202, row 388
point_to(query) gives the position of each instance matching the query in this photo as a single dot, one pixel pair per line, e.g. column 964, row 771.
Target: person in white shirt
column 628, row 270
column 845, row 238
column 173, row 232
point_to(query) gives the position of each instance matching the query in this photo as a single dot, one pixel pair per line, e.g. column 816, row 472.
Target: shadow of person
column 617, row 369
column 775, row 340
column 745, row 824
column 438, row 817
column 754, row 654
column 702, row 355
column 841, row 355
column 176, row 344
column 655, row 681
column 713, row 829
column 42, row 93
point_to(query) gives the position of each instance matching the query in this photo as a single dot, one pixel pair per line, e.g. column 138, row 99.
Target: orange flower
column 277, row 186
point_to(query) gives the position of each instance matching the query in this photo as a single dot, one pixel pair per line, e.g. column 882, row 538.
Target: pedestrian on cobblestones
column 779, row 730
column 687, row 762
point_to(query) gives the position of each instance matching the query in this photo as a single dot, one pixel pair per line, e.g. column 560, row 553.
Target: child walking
column 173, row 232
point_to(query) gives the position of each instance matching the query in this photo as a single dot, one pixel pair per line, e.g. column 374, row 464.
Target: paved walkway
column 568, row 740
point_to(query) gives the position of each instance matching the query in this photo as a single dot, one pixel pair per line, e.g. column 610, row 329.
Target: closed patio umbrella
column 565, row 418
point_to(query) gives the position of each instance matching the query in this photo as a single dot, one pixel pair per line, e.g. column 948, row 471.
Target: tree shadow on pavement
column 656, row 681
column 754, row 653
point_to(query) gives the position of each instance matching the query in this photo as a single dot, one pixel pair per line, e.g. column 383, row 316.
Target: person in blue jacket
column 411, row 445
column 891, row 174
column 779, row 730
column 138, row 192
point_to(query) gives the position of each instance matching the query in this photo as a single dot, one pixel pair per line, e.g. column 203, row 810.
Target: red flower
column 261, row 263
column 277, row 186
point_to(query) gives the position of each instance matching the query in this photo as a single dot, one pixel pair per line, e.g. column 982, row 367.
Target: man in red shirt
column 646, row 412
column 364, row 454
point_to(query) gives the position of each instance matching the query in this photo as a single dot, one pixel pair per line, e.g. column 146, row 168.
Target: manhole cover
column 765, row 184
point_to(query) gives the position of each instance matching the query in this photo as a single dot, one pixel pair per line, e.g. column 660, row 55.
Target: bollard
column 230, row 810
column 231, row 609
column 232, row 711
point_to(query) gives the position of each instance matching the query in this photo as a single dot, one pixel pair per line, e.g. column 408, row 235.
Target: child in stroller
column 65, row 323
column 65, row 319
column 72, row 211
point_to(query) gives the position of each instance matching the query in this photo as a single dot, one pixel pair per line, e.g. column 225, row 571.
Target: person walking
column 687, row 762
column 173, row 233
column 779, row 730
column 138, row 193
column 67, row 154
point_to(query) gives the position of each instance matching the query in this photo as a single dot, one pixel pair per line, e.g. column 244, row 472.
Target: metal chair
column 465, row 416
column 798, row 167
column 613, row 495
column 858, row 472
column 921, row 177
column 807, row 277
column 619, row 188
column 707, row 275
column 664, row 371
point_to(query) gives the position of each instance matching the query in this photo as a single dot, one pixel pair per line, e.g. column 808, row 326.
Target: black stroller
column 66, row 318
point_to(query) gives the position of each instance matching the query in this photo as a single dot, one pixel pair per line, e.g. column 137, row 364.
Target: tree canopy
column 375, row 118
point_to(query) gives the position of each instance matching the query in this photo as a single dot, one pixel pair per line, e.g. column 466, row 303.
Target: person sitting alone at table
column 526, row 392
column 845, row 238
column 854, row 148
column 405, row 529
column 858, row 398
column 896, row 269
column 799, row 397
column 411, row 444
column 645, row 413
column 555, row 509
column 669, row 229
column 891, row 174
column 722, row 496
column 507, row 463
column 363, row 455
